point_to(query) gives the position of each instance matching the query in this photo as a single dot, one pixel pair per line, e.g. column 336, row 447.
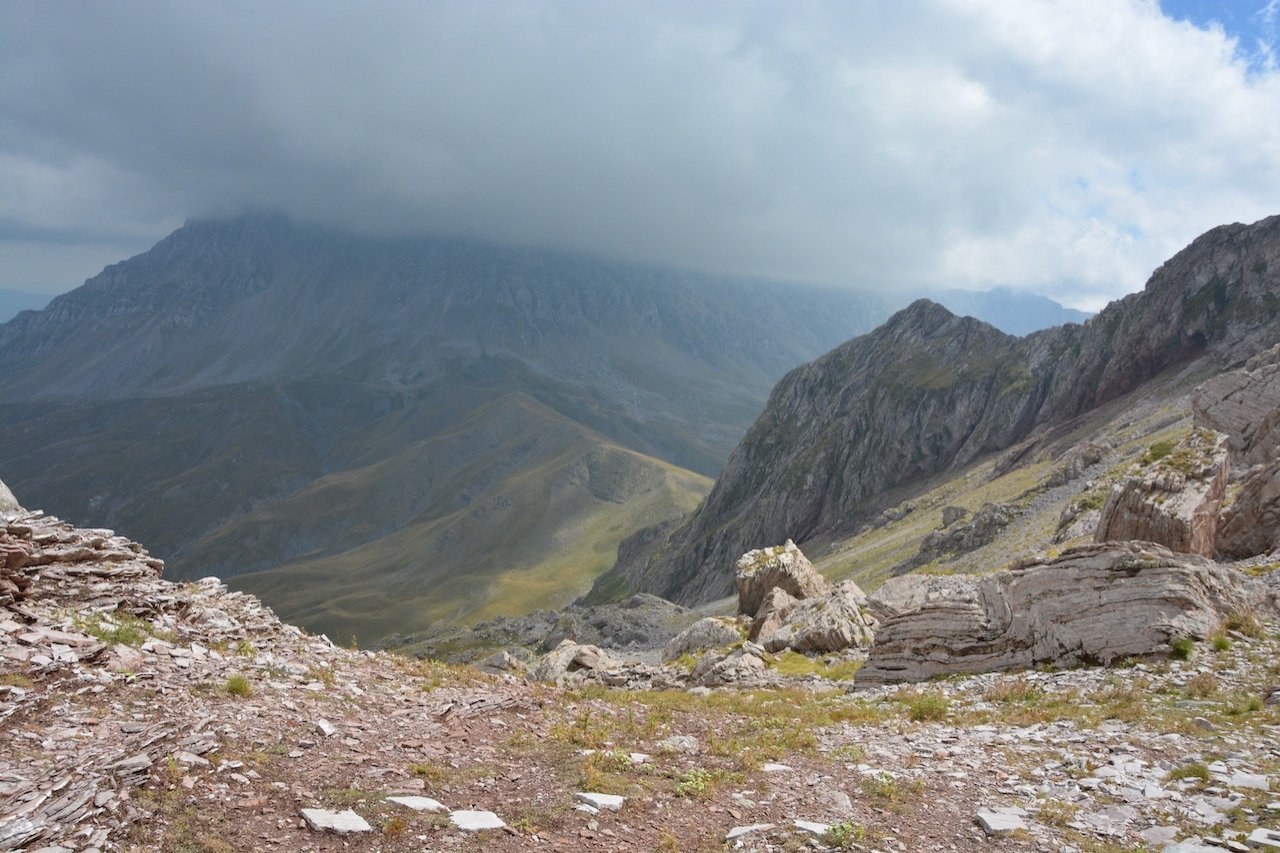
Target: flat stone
column 739, row 831
column 612, row 802
column 1158, row 834
column 474, row 821
column 1190, row 846
column 340, row 823
column 325, row 727
column 1256, row 781
column 999, row 821
column 1265, row 839
column 772, row 767
column 419, row 804
column 812, row 826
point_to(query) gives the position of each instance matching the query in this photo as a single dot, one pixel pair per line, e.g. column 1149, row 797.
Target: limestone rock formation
column 783, row 567
column 830, row 623
column 774, row 610
column 569, row 657
column 1251, row 525
column 1173, row 500
column 986, row 523
column 740, row 667
column 709, row 633
column 1244, row 404
column 1097, row 602
column 8, row 503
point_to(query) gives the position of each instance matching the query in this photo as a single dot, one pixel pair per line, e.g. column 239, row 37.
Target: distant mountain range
column 13, row 301
column 379, row 434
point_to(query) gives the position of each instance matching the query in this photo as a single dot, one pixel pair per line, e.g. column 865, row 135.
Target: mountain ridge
column 834, row 435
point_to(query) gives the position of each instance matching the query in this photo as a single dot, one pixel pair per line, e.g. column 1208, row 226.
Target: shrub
column 1181, row 648
column 238, row 686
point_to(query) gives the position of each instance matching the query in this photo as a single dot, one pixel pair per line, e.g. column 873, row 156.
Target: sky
column 1062, row 146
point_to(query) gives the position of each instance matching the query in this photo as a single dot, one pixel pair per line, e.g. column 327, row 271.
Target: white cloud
column 1069, row 146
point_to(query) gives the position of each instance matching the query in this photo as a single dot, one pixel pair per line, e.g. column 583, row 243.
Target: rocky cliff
column 928, row 391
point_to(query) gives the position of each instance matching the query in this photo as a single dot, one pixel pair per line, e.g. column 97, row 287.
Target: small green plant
column 1056, row 812
column 695, row 783
column 1220, row 642
column 845, row 834
column 884, row 787
column 1189, row 771
column 238, row 686
column 323, row 674
column 116, row 629
column 245, row 649
column 1182, row 648
column 1240, row 704
column 849, row 752
column 15, row 679
column 931, row 705
column 1156, row 452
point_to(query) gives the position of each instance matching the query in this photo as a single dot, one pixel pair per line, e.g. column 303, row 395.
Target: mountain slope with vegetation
column 928, row 393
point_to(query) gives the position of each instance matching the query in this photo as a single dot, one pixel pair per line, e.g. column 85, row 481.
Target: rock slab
column 340, row 823
column 783, row 567
column 1095, row 603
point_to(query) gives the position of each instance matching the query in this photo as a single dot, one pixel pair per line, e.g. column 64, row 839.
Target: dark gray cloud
column 1064, row 147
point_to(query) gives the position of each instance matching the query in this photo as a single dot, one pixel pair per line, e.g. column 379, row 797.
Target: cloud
column 1068, row 146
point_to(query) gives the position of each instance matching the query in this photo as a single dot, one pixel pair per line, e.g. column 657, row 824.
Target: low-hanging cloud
column 1067, row 147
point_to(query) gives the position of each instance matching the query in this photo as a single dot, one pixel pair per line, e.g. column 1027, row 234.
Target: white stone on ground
column 473, row 821
column 771, row 767
column 340, row 823
column 812, row 826
column 1000, row 821
column 1265, row 839
column 420, row 804
column 612, row 802
column 739, row 831
column 325, row 728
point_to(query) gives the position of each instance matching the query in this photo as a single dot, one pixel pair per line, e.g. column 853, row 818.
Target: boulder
column 1244, row 404
column 952, row 514
column 832, row 623
column 773, row 611
column 710, row 633
column 1095, row 603
column 8, row 503
column 1251, row 524
column 961, row 539
column 501, row 661
column 571, row 657
column 1172, row 499
column 742, row 665
column 782, row 566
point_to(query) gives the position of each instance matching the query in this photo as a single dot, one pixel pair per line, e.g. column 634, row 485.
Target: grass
column 1056, row 812
column 1189, row 771
column 795, row 665
column 887, row 789
column 238, row 686
column 923, row 706
column 696, row 783
column 1182, row 648
column 1220, row 642
column 118, row 628
column 1156, row 452
column 845, row 835
column 16, row 679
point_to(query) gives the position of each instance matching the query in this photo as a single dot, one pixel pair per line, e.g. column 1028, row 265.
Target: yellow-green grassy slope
column 524, row 508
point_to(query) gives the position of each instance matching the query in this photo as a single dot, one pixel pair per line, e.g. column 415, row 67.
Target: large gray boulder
column 1172, row 500
column 571, row 657
column 1244, row 404
column 831, row 623
column 712, row 632
column 783, row 567
column 8, row 503
column 1094, row 604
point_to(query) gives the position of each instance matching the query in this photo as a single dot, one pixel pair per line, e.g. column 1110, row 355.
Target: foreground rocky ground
column 136, row 714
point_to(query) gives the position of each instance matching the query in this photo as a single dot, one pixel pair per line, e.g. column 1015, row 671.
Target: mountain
column 929, row 392
column 382, row 433
column 14, row 301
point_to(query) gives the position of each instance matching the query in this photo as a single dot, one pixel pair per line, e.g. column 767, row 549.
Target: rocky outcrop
column 1096, row 603
column 712, row 632
column 1251, row 524
column 1244, row 404
column 8, row 503
column 781, row 567
column 830, row 623
column 928, row 391
column 986, row 523
column 570, row 657
column 1174, row 498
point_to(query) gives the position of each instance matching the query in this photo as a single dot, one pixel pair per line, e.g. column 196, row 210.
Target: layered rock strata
column 1174, row 500
column 1096, row 603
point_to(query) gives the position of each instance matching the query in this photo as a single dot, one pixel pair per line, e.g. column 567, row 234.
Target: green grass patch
column 795, row 665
